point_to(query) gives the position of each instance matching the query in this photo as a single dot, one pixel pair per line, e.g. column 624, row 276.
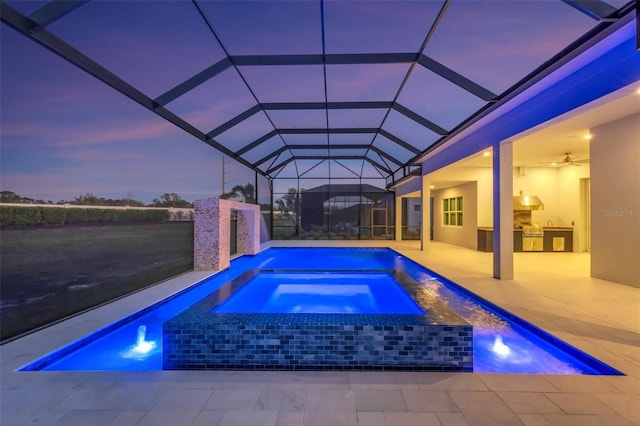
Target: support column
column 212, row 232
column 425, row 225
column 398, row 218
column 248, row 231
column 503, row 210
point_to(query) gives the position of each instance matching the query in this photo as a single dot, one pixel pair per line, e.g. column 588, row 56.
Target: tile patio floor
column 551, row 290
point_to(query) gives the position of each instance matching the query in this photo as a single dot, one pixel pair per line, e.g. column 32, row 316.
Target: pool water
column 503, row 342
column 320, row 293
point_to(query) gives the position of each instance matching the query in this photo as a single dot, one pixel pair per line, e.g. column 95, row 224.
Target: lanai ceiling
column 323, row 88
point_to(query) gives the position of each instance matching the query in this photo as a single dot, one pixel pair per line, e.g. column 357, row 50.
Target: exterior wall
column 467, row 234
column 569, row 207
column 212, row 232
column 408, row 187
column 542, row 182
column 414, row 212
column 485, row 200
column 615, row 201
column 559, row 190
column 483, row 177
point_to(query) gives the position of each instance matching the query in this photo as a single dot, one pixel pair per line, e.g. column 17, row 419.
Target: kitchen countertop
column 544, row 228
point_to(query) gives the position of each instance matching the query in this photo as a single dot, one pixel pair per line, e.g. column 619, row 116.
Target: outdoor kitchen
column 528, row 235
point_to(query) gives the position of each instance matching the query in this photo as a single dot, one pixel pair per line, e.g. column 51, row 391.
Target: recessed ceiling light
column 431, row 186
column 486, row 153
column 587, row 137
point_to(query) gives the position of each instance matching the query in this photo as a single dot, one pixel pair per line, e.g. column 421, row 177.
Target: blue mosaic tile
column 438, row 340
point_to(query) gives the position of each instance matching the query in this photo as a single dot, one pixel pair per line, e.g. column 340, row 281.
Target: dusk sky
column 64, row 133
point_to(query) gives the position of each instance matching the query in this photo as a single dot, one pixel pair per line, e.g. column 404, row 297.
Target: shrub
column 21, row 216
column 33, row 216
column 76, row 215
column 6, row 215
column 53, row 215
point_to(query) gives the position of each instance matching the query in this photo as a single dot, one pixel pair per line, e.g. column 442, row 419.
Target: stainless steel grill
column 532, row 238
column 532, row 230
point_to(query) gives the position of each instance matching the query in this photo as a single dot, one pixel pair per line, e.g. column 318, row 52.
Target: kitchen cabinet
column 558, row 239
column 555, row 239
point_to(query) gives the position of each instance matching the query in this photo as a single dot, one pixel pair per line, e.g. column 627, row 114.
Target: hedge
column 29, row 216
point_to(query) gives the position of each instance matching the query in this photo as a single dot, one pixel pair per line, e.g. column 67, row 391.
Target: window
column 452, row 211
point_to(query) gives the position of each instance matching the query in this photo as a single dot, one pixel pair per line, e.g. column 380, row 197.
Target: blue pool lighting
column 320, row 293
column 500, row 348
column 502, row 342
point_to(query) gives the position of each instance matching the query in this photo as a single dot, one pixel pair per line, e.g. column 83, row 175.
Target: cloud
column 61, row 134
column 125, row 133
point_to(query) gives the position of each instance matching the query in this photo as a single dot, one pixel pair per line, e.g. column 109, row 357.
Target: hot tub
column 320, row 320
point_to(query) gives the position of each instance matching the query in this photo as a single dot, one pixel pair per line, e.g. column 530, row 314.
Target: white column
column 425, row 226
column 503, row 210
column 398, row 221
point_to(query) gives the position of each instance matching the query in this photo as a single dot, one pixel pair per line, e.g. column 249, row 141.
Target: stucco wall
column 615, row 201
column 483, row 177
column 559, row 190
column 466, row 235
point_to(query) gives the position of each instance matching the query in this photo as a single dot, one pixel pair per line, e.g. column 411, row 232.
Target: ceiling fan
column 568, row 160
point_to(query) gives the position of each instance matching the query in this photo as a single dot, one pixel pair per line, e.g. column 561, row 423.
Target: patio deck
column 552, row 290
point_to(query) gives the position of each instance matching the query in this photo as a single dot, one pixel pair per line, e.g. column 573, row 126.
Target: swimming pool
column 502, row 342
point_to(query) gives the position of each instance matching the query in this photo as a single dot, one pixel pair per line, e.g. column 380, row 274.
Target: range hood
column 527, row 202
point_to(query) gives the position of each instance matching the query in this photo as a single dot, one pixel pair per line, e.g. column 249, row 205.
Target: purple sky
column 64, row 134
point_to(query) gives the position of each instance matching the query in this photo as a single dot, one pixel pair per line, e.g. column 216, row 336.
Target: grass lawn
column 50, row 273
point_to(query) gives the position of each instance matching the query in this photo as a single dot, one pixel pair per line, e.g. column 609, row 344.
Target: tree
column 89, row 199
column 290, row 203
column 12, row 197
column 246, row 193
column 170, row 200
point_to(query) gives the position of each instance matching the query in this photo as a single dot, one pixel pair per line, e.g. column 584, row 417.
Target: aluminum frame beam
column 420, row 119
column 329, row 59
column 235, row 120
column 193, row 82
column 24, row 25
column 295, row 106
column 399, row 141
column 596, row 9
column 257, row 142
column 320, row 131
column 273, row 106
column 457, row 79
column 52, row 11
column 333, row 157
column 331, row 105
column 327, row 147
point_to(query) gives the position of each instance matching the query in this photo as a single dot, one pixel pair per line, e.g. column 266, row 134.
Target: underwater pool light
column 142, row 347
column 500, row 348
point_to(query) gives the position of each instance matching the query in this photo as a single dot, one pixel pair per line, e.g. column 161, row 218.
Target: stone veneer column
column 249, row 230
column 212, row 232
